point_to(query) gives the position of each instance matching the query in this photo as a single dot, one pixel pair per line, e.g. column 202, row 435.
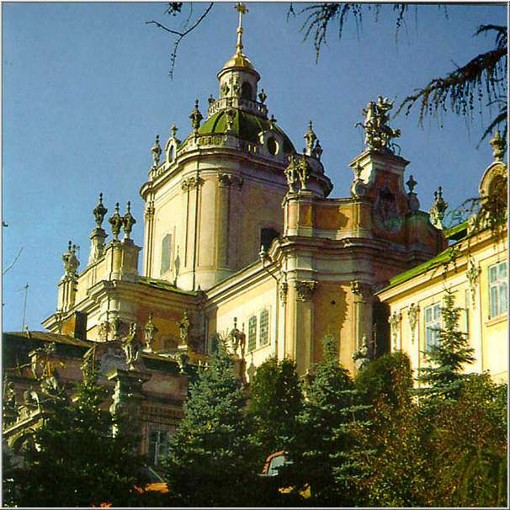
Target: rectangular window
column 264, row 327
column 432, row 325
column 252, row 333
column 158, row 445
column 498, row 289
column 166, row 249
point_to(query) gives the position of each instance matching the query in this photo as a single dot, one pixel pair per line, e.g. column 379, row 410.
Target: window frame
column 432, row 325
column 498, row 289
column 158, row 449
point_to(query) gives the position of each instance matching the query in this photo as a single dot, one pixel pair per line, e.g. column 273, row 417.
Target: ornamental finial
column 128, row 221
column 196, row 117
column 498, row 145
column 241, row 9
column 174, row 130
column 116, row 222
column 100, row 211
column 310, row 138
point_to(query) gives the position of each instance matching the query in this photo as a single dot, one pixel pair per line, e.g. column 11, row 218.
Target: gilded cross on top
column 241, row 9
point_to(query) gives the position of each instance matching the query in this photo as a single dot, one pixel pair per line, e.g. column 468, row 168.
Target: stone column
column 303, row 323
column 127, row 398
column 149, row 237
column 224, row 184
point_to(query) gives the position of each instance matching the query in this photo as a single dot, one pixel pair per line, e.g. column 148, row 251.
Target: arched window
column 267, row 236
column 166, row 248
column 246, row 91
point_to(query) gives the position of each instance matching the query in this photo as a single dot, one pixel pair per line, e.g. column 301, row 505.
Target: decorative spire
column 128, row 221
column 116, row 222
column 99, row 212
column 174, row 130
column 412, row 199
column 498, row 145
column 156, row 152
column 310, row 138
column 241, row 9
column 411, row 184
column 196, row 117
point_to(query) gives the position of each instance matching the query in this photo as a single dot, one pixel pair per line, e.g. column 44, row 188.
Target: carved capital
column 360, row 289
column 191, row 183
column 305, row 289
column 149, row 210
column 225, row 180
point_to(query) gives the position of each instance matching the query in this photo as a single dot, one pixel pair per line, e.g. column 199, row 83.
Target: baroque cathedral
column 242, row 244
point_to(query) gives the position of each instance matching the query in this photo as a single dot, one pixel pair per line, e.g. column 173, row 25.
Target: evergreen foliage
column 443, row 378
column 398, row 471
column 379, row 378
column 210, row 461
column 324, row 453
column 275, row 402
column 470, row 449
column 78, row 462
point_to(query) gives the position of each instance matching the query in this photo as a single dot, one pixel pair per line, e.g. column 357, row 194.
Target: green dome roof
column 246, row 126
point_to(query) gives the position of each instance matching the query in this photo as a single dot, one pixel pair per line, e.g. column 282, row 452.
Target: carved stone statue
column 304, row 173
column 292, row 174
column 184, row 325
column 156, row 152
column 360, row 356
column 131, row 347
column 70, row 260
column 149, row 332
column 378, row 134
column 238, row 340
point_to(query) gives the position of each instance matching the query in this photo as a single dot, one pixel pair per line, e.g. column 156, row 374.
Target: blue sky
column 86, row 89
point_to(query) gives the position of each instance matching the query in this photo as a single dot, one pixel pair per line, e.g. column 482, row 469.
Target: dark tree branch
column 181, row 34
column 483, row 76
column 319, row 17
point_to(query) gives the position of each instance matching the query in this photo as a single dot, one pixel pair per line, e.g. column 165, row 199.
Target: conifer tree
column 78, row 462
column 210, row 461
column 275, row 402
column 470, row 450
column 442, row 379
column 397, row 468
column 324, row 454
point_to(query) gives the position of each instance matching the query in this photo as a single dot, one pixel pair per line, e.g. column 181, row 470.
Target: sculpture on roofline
column 378, row 135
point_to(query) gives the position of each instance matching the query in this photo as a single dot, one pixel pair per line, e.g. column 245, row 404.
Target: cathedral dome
column 238, row 60
column 246, row 126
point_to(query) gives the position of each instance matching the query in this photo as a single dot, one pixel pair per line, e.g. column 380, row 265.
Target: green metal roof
column 443, row 257
column 246, row 126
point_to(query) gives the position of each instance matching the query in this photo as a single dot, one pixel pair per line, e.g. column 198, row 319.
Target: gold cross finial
column 241, row 9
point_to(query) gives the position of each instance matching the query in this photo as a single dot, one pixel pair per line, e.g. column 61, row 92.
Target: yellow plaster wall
column 489, row 337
